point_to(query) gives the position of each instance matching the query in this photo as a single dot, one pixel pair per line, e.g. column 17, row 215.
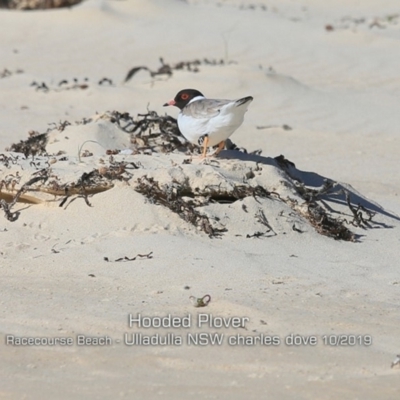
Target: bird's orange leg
column 220, row 148
column 205, row 145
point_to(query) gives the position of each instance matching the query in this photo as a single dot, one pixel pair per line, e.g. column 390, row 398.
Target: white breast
column 218, row 126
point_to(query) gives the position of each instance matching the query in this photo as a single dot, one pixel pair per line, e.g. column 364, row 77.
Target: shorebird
column 208, row 122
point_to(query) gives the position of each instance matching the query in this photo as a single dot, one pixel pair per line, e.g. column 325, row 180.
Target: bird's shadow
column 339, row 193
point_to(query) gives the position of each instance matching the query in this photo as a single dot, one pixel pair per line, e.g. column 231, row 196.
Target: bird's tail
column 242, row 101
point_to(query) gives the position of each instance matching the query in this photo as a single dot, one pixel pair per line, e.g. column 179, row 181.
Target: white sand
column 337, row 90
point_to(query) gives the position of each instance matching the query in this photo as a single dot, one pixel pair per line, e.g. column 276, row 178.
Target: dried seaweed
column 229, row 145
column 61, row 125
column 89, row 183
column 35, row 145
column 167, row 69
column 152, row 133
column 262, row 219
column 68, row 84
column 125, row 258
column 38, row 4
column 358, row 217
column 215, row 194
column 118, row 170
column 254, row 7
column 285, row 127
column 361, row 216
column 13, row 216
column 6, row 73
column 107, row 81
column 283, row 162
column 8, row 160
column 389, row 21
column 257, row 234
column 170, row 196
column 296, row 229
column 316, row 211
column 327, row 225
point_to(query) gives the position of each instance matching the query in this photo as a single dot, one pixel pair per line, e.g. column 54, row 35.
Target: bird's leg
column 220, row 147
column 205, row 145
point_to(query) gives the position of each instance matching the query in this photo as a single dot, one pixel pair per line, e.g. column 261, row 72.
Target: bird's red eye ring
column 185, row 96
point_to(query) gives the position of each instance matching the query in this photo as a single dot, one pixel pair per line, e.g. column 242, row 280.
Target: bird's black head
column 183, row 97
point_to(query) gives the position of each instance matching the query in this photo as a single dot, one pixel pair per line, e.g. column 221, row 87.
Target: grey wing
column 204, row 108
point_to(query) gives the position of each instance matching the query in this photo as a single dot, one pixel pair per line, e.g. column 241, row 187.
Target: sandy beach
column 113, row 230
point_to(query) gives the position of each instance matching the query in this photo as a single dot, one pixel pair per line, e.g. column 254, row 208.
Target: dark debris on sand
column 170, row 196
column 37, row 4
column 35, row 145
column 317, row 212
column 179, row 198
column 168, row 69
